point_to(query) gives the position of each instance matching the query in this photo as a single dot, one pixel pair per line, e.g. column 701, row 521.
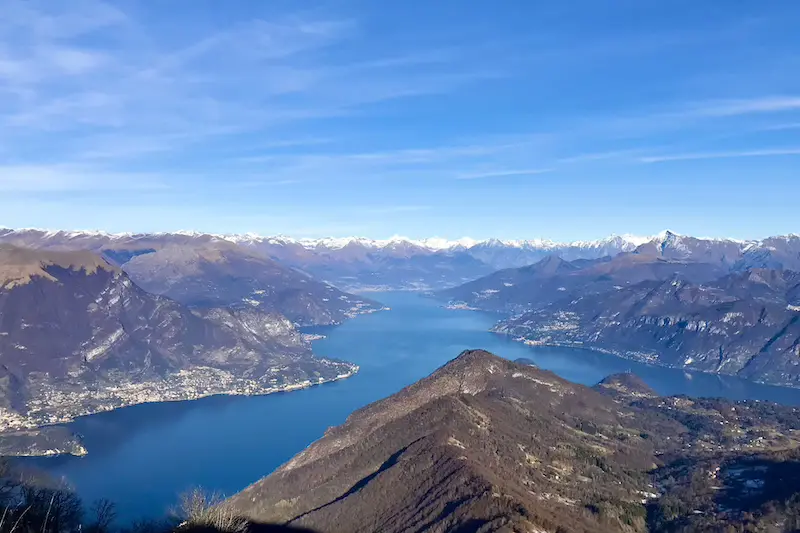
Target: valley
column 399, row 267
column 143, row 456
column 179, row 316
column 104, row 337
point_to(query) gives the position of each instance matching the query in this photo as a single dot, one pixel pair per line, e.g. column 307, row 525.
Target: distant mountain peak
column 666, row 235
column 357, row 263
column 431, row 244
column 552, row 264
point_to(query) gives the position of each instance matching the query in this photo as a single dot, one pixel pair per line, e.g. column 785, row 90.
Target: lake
column 142, row 457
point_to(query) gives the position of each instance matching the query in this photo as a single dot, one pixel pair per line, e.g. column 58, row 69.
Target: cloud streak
column 696, row 156
column 733, row 108
column 258, row 76
column 69, row 178
column 504, row 173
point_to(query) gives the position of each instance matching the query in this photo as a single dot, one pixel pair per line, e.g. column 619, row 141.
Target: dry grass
column 198, row 509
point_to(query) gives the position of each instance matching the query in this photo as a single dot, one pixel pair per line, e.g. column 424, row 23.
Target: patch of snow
column 105, row 345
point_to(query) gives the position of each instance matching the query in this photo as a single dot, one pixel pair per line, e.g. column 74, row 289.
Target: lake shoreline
column 143, row 456
column 637, row 358
column 71, row 445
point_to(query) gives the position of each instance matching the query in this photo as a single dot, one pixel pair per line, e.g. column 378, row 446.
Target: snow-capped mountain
column 55, row 238
column 404, row 263
column 438, row 244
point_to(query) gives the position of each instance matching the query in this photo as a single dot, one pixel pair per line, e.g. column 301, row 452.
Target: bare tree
column 103, row 513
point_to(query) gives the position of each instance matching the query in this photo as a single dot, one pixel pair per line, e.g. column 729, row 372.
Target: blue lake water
column 142, row 457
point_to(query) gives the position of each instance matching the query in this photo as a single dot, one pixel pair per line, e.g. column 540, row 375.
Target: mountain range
column 91, row 321
column 78, row 336
column 681, row 302
column 349, row 263
column 206, row 270
column 489, row 445
column 745, row 324
column 364, row 264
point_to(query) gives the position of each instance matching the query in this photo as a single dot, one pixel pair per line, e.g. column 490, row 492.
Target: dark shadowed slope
column 484, row 444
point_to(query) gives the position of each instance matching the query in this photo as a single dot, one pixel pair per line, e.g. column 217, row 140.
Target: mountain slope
column 669, row 245
column 224, row 274
column 745, row 324
column 207, row 270
column 554, row 279
column 484, row 444
column 77, row 336
column 361, row 264
column 773, row 253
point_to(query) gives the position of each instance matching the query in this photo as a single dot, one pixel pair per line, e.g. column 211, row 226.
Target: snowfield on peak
column 438, row 244
column 434, row 244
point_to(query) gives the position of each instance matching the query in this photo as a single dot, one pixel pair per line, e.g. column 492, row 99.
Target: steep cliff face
column 78, row 336
column 484, row 444
column 745, row 324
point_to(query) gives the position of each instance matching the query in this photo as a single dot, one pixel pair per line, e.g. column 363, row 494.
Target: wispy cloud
column 436, row 163
column 782, row 127
column 131, row 98
column 395, row 209
column 731, row 108
column 70, row 178
column 720, row 114
column 504, row 173
column 772, row 152
column 92, row 101
column 600, row 156
column 344, row 111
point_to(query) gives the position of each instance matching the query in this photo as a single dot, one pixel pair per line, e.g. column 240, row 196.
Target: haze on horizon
column 420, row 119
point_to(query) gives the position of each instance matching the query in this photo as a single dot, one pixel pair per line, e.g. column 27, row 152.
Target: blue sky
column 515, row 119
